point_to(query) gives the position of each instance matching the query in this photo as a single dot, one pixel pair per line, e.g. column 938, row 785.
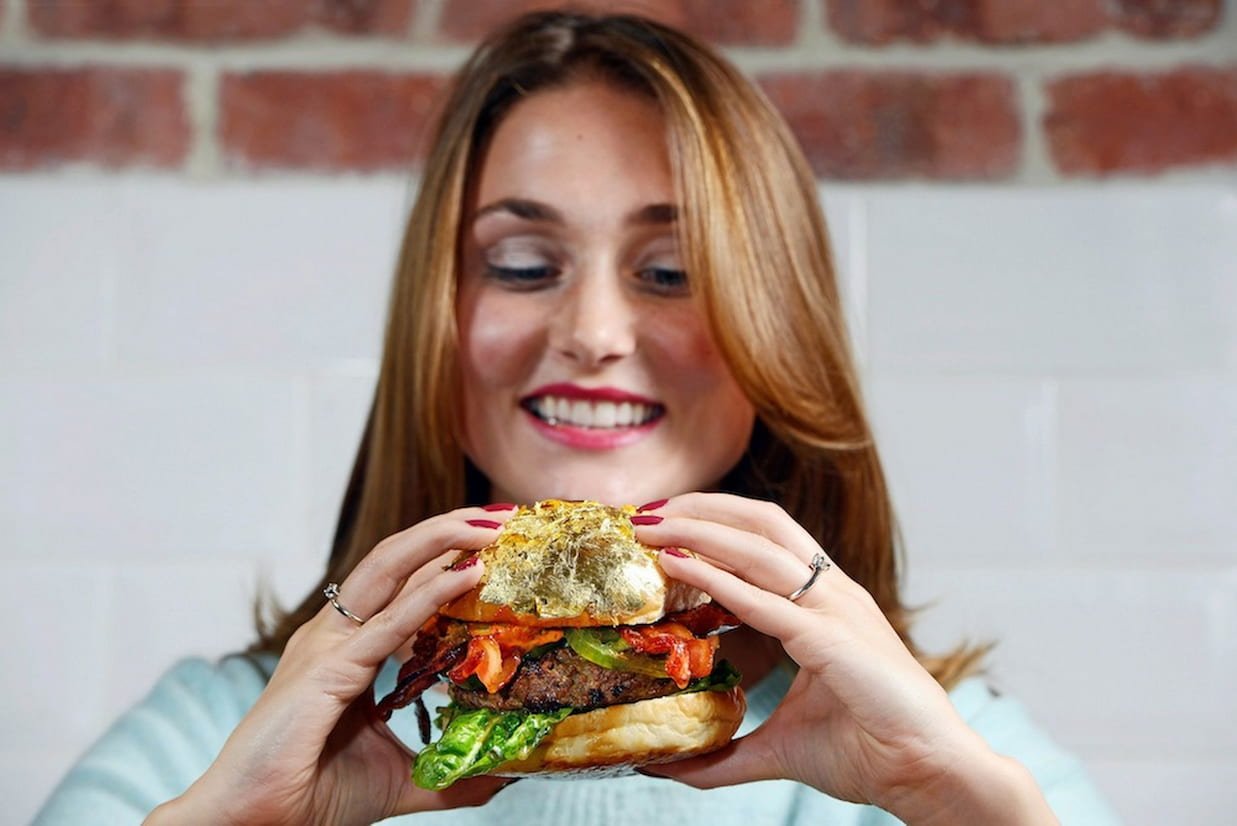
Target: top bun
column 559, row 563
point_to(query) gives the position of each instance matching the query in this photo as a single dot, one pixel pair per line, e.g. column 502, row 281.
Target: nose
column 595, row 324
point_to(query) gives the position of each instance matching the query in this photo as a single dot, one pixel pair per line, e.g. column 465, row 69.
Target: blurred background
column 1034, row 207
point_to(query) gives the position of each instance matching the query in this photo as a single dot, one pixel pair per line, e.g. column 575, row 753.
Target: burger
column 574, row 654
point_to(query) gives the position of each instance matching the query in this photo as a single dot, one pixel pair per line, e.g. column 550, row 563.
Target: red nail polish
column 676, row 553
column 652, row 506
column 467, row 563
column 484, row 523
column 499, row 506
column 646, row 520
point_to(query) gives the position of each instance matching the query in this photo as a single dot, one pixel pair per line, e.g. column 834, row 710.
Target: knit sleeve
column 1009, row 730
column 159, row 747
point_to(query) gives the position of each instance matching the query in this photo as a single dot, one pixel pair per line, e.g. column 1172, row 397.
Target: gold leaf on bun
column 572, row 563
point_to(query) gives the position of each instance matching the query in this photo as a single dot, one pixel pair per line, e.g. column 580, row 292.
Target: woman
column 615, row 284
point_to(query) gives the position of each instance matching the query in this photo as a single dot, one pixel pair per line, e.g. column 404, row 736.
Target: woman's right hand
column 312, row 749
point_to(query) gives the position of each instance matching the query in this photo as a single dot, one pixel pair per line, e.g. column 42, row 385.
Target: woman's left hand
column 863, row 720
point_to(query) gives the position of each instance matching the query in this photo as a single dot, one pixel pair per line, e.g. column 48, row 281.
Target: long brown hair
column 759, row 258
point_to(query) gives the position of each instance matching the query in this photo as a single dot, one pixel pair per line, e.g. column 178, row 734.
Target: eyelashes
column 521, row 278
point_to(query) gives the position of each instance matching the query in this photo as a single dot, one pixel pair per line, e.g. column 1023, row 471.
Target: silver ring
column 819, row 563
column 331, row 592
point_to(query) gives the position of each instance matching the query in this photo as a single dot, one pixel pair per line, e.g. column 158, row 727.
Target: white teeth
column 605, row 415
column 580, row 413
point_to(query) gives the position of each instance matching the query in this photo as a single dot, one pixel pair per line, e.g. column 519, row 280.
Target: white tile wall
column 185, row 368
column 275, row 276
column 184, row 466
column 1120, row 280
column 1150, row 466
column 971, row 462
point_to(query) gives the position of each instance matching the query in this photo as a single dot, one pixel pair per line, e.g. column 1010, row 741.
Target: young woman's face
column 588, row 368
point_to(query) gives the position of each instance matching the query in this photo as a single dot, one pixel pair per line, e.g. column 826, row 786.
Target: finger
column 767, row 519
column 381, row 574
column 767, row 612
column 393, row 626
column 758, row 560
column 744, row 760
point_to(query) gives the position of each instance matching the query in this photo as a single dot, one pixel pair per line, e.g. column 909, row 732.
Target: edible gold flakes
column 564, row 559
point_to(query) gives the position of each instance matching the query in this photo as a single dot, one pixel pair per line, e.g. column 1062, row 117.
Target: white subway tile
column 970, row 464
column 1139, row 663
column 1123, row 280
column 1161, row 792
column 288, row 274
column 54, row 656
column 58, row 242
column 158, row 467
column 1149, row 466
column 846, row 219
column 339, row 405
column 167, row 611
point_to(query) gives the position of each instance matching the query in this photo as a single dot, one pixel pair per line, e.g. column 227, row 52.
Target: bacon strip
column 687, row 657
column 438, row 646
column 706, row 619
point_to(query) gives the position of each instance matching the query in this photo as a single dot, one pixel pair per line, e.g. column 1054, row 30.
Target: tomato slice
column 484, row 660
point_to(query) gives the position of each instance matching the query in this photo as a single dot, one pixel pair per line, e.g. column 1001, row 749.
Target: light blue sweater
column 158, row 748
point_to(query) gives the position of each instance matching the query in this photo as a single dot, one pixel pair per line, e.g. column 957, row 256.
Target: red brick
column 214, row 19
column 1167, row 18
column 357, row 120
column 1112, row 122
column 868, row 125
column 111, row 116
column 727, row 22
column 878, row 22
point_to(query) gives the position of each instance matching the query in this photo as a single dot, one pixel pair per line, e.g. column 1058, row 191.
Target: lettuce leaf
column 477, row 741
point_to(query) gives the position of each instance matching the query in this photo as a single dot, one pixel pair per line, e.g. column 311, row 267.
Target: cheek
column 684, row 346
column 498, row 340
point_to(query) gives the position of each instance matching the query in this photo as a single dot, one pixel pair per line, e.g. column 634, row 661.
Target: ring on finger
column 820, row 563
column 331, row 592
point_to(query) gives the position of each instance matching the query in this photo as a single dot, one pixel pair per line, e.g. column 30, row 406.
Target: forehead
column 586, row 142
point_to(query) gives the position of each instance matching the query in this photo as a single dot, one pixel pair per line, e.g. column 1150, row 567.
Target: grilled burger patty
column 562, row 678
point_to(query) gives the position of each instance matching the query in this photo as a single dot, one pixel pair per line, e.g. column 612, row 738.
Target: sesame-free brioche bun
column 571, row 564
column 615, row 739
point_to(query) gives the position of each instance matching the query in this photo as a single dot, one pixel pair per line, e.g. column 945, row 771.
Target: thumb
column 744, row 760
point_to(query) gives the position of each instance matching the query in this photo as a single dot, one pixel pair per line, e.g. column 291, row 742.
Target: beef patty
column 562, row 678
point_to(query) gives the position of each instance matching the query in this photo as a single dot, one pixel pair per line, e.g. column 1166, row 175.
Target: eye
column 519, row 264
column 665, row 280
column 523, row 278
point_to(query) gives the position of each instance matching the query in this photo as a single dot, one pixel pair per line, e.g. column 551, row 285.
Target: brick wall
column 975, row 90
column 1035, row 218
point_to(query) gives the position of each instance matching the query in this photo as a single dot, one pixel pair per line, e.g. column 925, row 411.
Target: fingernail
column 499, row 506
column 652, row 506
column 675, row 552
column 467, row 563
column 646, row 520
column 484, row 523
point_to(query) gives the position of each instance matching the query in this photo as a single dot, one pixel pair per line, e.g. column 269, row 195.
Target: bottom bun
column 615, row 739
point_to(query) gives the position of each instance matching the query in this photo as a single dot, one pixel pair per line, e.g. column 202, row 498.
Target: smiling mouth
column 602, row 415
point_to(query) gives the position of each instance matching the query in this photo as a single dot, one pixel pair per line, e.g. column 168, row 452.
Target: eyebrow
column 653, row 214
